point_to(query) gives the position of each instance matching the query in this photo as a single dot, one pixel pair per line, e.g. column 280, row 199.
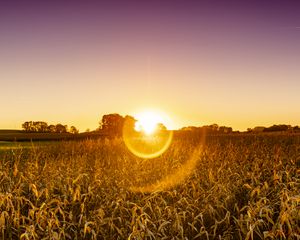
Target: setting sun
column 147, row 122
column 148, row 141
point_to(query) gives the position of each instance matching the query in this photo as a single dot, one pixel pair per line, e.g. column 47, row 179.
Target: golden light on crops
column 147, row 138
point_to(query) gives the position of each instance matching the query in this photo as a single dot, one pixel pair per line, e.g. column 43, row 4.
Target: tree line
column 112, row 124
column 43, row 127
column 275, row 128
column 213, row 128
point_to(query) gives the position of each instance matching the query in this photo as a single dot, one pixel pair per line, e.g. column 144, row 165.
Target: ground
column 234, row 186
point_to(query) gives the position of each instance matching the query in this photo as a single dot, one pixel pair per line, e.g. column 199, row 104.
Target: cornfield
column 228, row 187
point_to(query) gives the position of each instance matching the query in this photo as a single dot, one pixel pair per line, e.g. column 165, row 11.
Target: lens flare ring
column 173, row 179
column 146, row 146
column 150, row 146
column 176, row 177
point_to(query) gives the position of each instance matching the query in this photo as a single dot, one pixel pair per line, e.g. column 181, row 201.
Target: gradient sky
column 201, row 63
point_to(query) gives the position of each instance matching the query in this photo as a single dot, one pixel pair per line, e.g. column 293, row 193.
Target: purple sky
column 230, row 63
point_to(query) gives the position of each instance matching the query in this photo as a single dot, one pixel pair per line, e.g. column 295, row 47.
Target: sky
column 199, row 62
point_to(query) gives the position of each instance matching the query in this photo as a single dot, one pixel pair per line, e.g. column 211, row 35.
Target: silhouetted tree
column 190, row 128
column 296, row 128
column 161, row 127
column 112, row 124
column 38, row 126
column 41, row 126
column 211, row 128
column 277, row 128
column 59, row 128
column 73, row 130
column 224, row 129
column 27, row 126
column 229, row 130
column 51, row 128
column 214, row 127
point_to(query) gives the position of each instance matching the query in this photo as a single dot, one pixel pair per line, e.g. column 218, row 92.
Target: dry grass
column 242, row 187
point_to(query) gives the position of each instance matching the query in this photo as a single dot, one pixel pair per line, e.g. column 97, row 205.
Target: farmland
column 21, row 136
column 234, row 186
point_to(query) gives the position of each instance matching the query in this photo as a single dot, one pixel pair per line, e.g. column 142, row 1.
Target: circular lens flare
column 174, row 177
column 146, row 138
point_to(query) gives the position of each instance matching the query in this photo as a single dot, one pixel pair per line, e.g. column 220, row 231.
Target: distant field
column 23, row 136
column 23, row 145
column 10, row 145
column 18, row 135
column 243, row 186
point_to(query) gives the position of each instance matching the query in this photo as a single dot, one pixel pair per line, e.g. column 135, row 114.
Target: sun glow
column 147, row 122
column 149, row 137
